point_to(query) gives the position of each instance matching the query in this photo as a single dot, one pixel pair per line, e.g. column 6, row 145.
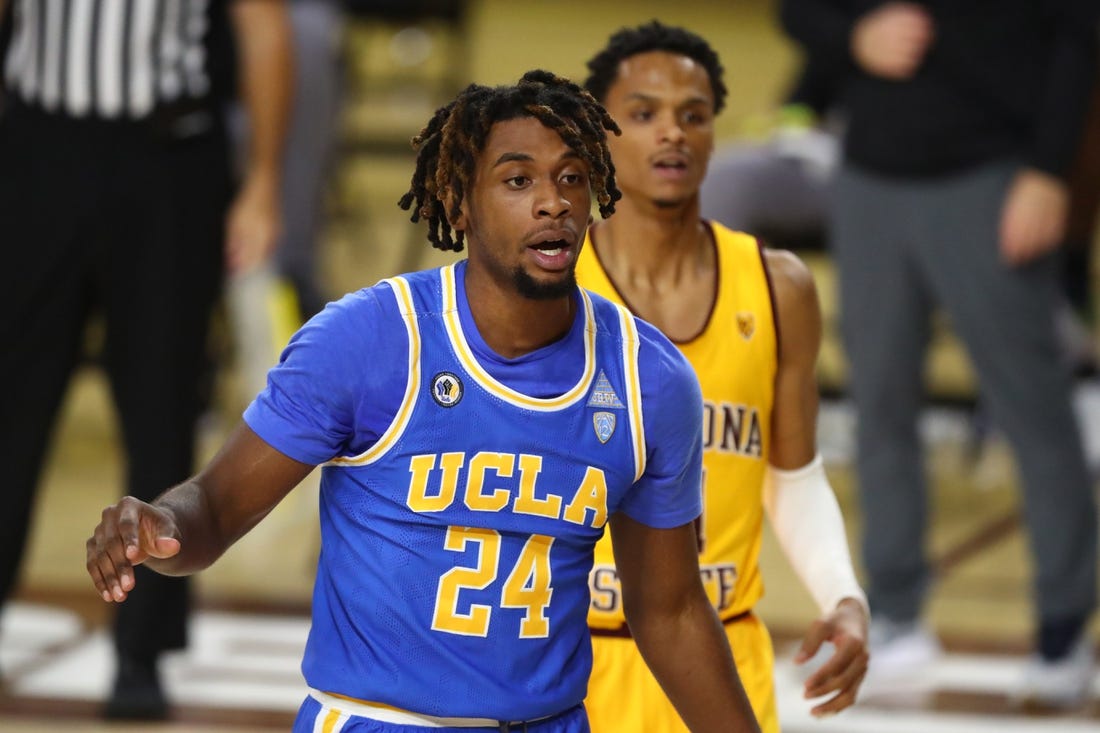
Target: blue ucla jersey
column 463, row 492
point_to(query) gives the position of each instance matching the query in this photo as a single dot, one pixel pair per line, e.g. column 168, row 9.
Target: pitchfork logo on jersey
column 446, row 389
column 604, row 423
column 746, row 325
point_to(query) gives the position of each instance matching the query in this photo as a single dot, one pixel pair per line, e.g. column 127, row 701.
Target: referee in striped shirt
column 116, row 199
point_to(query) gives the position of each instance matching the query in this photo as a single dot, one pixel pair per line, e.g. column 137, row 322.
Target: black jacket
column 1002, row 79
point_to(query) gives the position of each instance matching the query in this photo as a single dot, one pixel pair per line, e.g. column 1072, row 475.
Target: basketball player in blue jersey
column 479, row 425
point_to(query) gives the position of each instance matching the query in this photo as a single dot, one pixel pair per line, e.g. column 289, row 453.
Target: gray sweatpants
column 903, row 248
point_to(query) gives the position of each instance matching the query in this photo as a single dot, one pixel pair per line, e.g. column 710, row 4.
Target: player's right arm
column 189, row 526
column 656, row 551
column 676, row 628
column 320, row 402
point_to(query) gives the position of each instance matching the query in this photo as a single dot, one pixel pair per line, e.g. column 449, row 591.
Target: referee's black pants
column 107, row 218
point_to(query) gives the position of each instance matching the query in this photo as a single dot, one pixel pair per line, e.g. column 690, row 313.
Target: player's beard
column 531, row 288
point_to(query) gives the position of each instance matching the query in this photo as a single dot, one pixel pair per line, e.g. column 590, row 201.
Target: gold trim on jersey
column 469, row 362
column 631, row 346
column 403, row 295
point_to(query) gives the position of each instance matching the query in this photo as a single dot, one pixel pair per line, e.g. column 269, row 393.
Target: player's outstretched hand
column 128, row 534
column 846, row 628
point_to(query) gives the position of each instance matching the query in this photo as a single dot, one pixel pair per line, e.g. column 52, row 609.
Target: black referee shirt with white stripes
column 117, row 59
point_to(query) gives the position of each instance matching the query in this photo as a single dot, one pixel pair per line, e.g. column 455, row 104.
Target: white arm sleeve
column 806, row 518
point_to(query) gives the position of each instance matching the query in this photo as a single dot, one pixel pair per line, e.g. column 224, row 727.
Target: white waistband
column 364, row 709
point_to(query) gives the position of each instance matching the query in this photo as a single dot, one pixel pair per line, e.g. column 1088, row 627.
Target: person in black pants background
column 963, row 119
column 116, row 198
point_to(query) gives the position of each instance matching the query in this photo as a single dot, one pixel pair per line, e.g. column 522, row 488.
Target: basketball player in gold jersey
column 748, row 320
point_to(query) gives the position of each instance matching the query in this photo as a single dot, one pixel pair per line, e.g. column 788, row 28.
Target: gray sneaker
column 1064, row 683
column 901, row 655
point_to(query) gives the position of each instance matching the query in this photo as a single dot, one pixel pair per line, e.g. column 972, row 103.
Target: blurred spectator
column 776, row 189
column 962, row 122
column 116, row 198
column 266, row 304
column 317, row 27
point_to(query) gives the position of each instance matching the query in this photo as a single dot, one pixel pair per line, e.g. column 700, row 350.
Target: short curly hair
column 448, row 147
column 653, row 36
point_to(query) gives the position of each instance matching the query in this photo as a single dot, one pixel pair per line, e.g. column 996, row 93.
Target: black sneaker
column 137, row 694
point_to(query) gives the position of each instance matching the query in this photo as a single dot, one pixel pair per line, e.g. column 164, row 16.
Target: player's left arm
column 799, row 500
column 675, row 626
column 261, row 29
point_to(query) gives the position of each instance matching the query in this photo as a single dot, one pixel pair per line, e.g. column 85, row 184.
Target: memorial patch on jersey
column 604, row 422
column 746, row 325
column 603, row 395
column 446, row 389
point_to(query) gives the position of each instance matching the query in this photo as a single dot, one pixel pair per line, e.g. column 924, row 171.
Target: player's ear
column 457, row 221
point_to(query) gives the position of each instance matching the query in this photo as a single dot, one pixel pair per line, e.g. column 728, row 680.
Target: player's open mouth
column 552, row 248
column 554, row 253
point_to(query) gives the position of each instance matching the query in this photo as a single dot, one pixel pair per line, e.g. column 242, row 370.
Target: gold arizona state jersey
column 735, row 358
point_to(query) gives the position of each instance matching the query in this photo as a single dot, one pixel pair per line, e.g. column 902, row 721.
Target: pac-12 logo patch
column 446, row 389
column 604, row 423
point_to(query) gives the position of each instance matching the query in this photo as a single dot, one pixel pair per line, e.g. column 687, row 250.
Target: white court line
column 962, row 673
column 234, row 661
column 27, row 631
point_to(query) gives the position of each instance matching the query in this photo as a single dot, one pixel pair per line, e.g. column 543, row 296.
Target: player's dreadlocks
column 653, row 36
column 448, row 146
